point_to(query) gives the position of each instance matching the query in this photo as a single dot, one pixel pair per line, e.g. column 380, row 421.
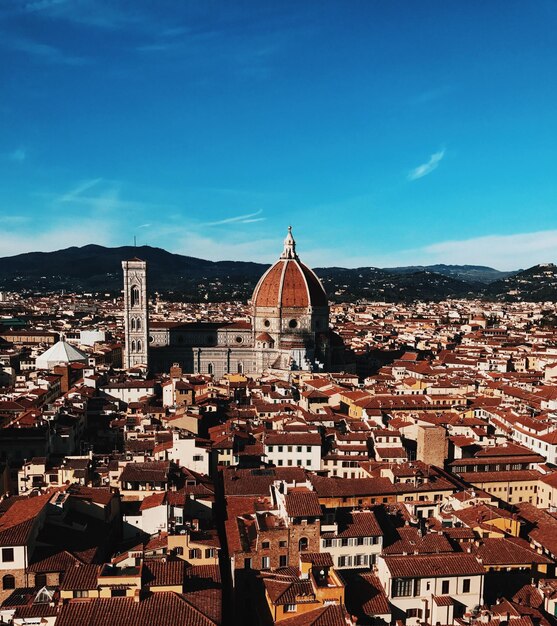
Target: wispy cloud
column 259, row 250
column 100, row 214
column 431, row 95
column 41, row 51
column 77, row 191
column 426, row 168
column 12, row 220
column 79, row 234
column 43, row 5
column 94, row 13
column 248, row 218
column 18, row 156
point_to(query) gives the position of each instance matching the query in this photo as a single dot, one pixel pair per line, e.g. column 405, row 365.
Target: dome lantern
column 289, row 251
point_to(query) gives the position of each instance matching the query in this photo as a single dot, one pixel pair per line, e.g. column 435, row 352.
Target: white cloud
column 40, row 5
column 427, row 168
column 14, row 219
column 504, row 252
column 241, row 219
column 259, row 250
column 104, row 199
column 77, row 191
column 19, row 155
column 56, row 239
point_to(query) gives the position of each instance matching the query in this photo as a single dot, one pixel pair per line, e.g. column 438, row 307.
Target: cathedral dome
column 289, row 283
column 60, row 353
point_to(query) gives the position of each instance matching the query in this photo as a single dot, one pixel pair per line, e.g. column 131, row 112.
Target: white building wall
column 294, row 455
column 155, row 519
column 429, row 587
column 128, row 394
column 19, row 560
column 353, row 555
column 185, row 453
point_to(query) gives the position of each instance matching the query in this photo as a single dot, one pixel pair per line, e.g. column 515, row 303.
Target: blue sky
column 386, row 132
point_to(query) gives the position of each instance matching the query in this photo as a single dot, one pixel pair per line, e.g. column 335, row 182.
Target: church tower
column 136, row 321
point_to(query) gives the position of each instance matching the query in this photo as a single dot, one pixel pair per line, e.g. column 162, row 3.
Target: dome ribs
column 294, row 290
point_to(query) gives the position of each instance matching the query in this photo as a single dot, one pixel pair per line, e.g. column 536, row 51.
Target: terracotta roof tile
column 157, row 608
column 303, row 504
column 332, row 615
column 433, row 565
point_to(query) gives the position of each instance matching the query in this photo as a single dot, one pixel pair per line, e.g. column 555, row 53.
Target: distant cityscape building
column 431, row 445
column 288, row 330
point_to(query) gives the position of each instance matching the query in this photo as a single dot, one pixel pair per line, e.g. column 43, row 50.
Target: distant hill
column 98, row 269
column 381, row 284
column 537, row 283
column 468, row 273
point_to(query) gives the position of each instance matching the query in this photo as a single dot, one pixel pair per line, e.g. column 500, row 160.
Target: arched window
column 210, row 368
column 8, row 582
column 138, row 324
column 133, row 346
column 133, row 323
column 139, row 345
column 240, row 368
column 135, row 295
column 303, row 544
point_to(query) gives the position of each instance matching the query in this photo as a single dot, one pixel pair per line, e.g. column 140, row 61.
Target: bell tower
column 136, row 320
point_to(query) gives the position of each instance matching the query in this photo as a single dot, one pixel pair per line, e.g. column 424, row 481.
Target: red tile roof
column 155, row 471
column 508, row 551
column 332, row 615
column 157, row 608
column 17, row 523
column 81, row 578
column 303, row 504
column 163, row 573
column 433, row 565
column 290, row 284
column 365, row 594
column 356, row 524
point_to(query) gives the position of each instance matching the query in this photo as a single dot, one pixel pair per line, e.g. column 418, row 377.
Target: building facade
column 288, row 327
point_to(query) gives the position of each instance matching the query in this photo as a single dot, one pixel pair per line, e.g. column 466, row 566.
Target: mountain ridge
column 95, row 268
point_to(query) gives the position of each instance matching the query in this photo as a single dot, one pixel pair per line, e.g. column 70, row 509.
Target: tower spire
column 289, row 251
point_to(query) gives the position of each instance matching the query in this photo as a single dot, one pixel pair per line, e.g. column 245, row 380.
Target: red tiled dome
column 289, row 283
